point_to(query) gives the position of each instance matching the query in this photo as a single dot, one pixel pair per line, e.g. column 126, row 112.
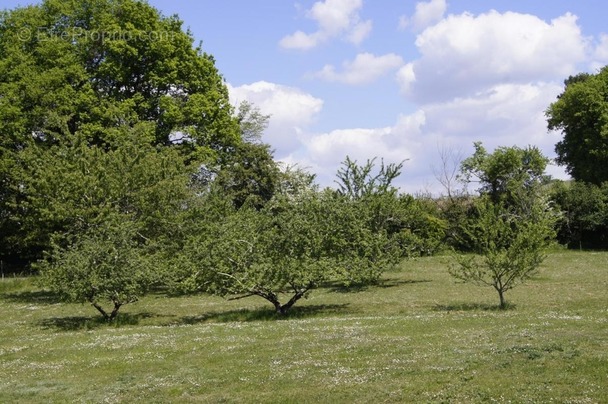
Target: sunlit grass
column 417, row 337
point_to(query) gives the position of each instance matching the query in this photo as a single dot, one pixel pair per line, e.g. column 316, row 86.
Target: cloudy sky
column 397, row 79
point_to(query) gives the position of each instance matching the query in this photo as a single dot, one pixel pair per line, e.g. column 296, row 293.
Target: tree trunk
column 281, row 309
column 106, row 316
column 101, row 310
column 503, row 303
column 115, row 311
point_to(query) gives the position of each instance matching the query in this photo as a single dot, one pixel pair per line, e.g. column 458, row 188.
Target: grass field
column 419, row 337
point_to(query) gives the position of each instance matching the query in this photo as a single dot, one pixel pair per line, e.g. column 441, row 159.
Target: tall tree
column 508, row 174
column 95, row 72
column 581, row 114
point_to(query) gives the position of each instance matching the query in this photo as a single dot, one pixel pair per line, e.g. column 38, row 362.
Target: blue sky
column 397, row 79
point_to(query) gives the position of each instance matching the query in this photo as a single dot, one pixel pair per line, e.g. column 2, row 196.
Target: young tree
column 107, row 263
column 508, row 247
column 511, row 223
column 580, row 113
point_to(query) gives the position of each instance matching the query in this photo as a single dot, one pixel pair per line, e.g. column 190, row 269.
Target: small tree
column 510, row 225
column 509, row 247
column 108, row 263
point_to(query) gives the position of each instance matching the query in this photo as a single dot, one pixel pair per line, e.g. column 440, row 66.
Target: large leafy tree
column 89, row 74
column 581, row 114
column 93, row 66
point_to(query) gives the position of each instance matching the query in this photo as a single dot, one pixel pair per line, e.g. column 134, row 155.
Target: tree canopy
column 581, row 114
column 507, row 173
column 94, row 66
column 83, row 79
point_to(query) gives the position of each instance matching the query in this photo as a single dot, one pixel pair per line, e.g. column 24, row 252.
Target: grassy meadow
column 417, row 337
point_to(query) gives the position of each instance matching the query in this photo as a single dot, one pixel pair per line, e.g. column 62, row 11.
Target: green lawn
column 419, row 337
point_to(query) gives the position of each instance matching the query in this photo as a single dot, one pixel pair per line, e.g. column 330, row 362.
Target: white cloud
column 478, row 78
column 300, row 40
column 360, row 31
column 365, row 68
column 600, row 53
column 427, row 13
column 503, row 115
column 464, row 54
column 335, row 18
column 291, row 110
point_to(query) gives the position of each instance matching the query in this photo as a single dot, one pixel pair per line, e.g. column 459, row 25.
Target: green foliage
column 89, row 74
column 105, row 263
column 509, row 246
column 581, row 114
column 69, row 188
column 456, row 212
column 357, row 181
column 250, row 175
column 288, row 247
column 507, row 174
column 584, row 220
column 411, row 223
column 414, row 224
column 92, row 66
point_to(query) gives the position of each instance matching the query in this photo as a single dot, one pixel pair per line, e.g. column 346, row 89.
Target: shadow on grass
column 265, row 314
column 38, row 297
column 92, row 322
column 472, row 307
column 383, row 284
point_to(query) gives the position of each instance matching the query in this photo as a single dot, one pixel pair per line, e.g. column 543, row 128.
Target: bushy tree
column 250, row 175
column 288, row 248
column 73, row 187
column 107, row 263
column 584, row 219
column 508, row 247
column 508, row 174
column 581, row 114
column 413, row 224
